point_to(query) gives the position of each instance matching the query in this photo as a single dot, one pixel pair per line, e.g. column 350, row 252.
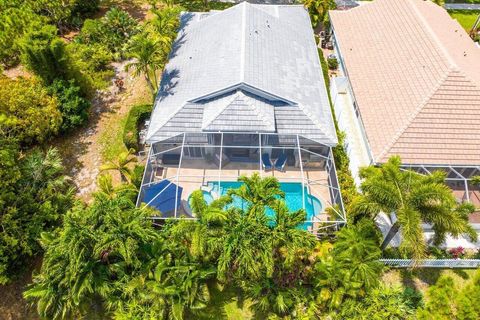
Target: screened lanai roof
column 180, row 165
column 250, row 68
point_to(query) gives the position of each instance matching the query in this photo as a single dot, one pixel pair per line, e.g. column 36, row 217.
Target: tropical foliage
column 33, row 197
column 415, row 199
column 382, row 303
column 29, row 113
column 318, row 10
column 111, row 31
column 122, row 165
column 446, row 301
column 150, row 48
column 108, row 255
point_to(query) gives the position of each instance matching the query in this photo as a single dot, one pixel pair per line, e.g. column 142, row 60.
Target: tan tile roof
column 415, row 74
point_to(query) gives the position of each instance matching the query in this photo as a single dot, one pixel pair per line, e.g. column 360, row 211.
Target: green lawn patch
column 226, row 305
column 111, row 140
column 421, row 279
column 466, row 18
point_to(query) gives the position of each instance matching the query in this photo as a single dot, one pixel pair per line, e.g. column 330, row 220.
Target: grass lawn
column 466, row 18
column 225, row 305
column 111, row 140
column 423, row 278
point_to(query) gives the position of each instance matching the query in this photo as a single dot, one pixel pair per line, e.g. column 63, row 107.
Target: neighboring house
column 409, row 84
column 243, row 92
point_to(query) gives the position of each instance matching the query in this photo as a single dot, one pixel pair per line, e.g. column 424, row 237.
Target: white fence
column 433, row 263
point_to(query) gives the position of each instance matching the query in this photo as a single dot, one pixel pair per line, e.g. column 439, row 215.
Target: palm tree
column 415, row 199
column 258, row 192
column 98, row 248
column 352, row 268
column 204, row 237
column 149, row 59
column 165, row 23
column 121, row 165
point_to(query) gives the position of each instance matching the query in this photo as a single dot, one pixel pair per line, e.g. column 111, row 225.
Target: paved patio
column 195, row 173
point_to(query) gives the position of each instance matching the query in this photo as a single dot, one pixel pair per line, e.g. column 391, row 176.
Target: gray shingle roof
column 247, row 68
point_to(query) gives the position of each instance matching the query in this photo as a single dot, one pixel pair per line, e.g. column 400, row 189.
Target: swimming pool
column 293, row 197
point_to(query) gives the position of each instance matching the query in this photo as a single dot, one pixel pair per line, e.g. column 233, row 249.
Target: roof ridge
column 222, row 109
column 243, row 42
column 430, row 31
column 261, row 113
column 414, row 115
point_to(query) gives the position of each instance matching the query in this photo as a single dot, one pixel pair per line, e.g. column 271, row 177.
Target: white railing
column 432, row 263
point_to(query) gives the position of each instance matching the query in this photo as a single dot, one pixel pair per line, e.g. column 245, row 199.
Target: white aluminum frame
column 296, row 146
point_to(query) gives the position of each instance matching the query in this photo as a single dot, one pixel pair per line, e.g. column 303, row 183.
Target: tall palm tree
column 121, row 165
column 415, row 199
column 149, row 59
column 165, row 23
column 258, row 192
column 204, row 237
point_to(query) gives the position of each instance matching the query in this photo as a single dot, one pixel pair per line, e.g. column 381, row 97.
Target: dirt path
column 84, row 150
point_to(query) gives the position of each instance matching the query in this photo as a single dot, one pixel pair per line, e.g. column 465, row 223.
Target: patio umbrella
column 167, row 192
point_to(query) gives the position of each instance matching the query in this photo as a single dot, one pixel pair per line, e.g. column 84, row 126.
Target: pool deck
column 195, row 173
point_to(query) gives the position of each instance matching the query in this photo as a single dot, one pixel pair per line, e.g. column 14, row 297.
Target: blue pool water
column 293, row 197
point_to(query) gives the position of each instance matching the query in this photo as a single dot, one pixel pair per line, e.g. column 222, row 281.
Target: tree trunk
column 391, row 233
column 150, row 84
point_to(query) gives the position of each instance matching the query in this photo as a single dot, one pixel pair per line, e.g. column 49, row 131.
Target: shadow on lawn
column 227, row 304
column 421, row 279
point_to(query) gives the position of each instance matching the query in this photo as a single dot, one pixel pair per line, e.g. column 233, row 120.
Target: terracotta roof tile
column 415, row 74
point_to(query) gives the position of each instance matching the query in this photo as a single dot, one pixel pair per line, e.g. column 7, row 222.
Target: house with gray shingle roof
column 250, row 68
column 409, row 85
column 242, row 93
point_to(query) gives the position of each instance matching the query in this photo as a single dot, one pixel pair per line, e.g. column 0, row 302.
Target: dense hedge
column 135, row 116
column 345, row 179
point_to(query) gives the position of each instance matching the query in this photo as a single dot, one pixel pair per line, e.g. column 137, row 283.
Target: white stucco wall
column 355, row 143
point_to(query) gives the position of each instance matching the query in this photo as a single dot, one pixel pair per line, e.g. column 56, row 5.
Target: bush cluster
column 111, row 31
column 348, row 188
column 332, row 63
column 136, row 115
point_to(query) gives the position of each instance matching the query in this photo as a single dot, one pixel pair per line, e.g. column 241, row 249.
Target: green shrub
column 381, row 303
column 64, row 14
column 15, row 21
column 73, row 107
column 332, row 63
column 33, row 199
column 136, row 115
column 348, row 188
column 137, row 175
column 112, row 31
column 29, row 113
column 95, row 62
column 45, row 54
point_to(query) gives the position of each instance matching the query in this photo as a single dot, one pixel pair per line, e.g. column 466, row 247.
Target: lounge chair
column 266, row 163
column 280, row 162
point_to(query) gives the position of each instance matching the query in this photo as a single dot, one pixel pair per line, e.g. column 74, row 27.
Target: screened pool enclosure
column 213, row 162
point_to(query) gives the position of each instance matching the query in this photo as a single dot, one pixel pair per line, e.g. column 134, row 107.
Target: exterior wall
column 355, row 141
